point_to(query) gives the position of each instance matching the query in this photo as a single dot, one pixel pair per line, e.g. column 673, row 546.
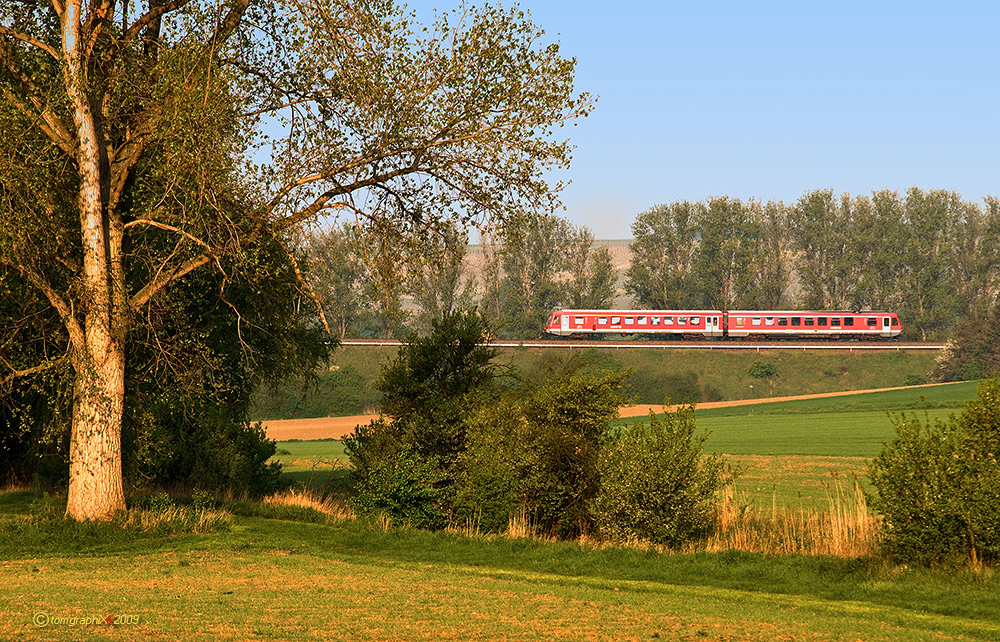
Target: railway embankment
column 346, row 386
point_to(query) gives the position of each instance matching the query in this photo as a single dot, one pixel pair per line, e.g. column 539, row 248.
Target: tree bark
column 95, row 451
column 98, row 356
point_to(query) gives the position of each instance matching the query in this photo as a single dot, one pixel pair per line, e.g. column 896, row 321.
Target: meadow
column 305, row 576
column 290, row 570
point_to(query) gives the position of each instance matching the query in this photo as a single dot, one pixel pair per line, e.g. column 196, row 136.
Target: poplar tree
column 142, row 142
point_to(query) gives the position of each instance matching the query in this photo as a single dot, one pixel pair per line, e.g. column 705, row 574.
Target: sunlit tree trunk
column 98, row 355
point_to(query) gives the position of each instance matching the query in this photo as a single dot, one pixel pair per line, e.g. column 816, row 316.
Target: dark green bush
column 656, row 485
column 763, row 370
column 407, row 488
column 938, row 485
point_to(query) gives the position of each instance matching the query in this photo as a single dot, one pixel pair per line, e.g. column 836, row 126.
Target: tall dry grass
column 305, row 498
column 843, row 527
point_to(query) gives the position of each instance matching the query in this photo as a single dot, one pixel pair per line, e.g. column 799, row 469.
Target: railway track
column 570, row 344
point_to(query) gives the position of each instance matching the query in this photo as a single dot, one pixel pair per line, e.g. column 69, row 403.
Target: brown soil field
column 339, row 427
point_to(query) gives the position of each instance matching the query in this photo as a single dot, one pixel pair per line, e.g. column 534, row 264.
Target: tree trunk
column 95, row 460
column 95, row 451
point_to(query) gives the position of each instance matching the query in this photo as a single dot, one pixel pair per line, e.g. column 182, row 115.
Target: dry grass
column 173, row 517
column 334, row 507
column 844, row 529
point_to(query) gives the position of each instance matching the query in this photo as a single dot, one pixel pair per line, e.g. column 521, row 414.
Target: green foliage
column 406, row 467
column 430, row 385
column 537, row 263
column 660, row 275
column 656, row 485
column 564, row 422
column 763, row 370
column 938, row 486
column 973, row 352
column 404, row 487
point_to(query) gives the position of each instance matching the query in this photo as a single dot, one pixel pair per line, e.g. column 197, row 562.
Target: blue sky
column 767, row 99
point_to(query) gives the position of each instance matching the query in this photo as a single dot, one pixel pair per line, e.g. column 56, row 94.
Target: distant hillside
column 621, row 258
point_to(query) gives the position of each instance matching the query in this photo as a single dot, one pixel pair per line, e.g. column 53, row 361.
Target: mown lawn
column 268, row 579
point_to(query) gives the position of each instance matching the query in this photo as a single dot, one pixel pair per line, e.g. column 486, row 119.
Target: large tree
column 143, row 142
column 661, row 274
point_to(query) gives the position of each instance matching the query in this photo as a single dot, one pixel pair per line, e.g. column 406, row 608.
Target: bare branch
column 166, row 278
column 31, row 41
column 27, row 372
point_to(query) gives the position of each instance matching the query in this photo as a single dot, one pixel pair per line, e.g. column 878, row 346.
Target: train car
column 775, row 324
column 702, row 323
column 810, row 323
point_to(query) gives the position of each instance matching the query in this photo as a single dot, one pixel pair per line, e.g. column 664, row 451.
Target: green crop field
column 793, row 453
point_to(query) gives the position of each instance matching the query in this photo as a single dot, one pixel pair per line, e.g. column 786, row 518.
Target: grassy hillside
column 347, row 387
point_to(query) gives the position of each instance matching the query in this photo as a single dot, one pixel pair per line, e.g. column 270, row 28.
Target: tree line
column 931, row 256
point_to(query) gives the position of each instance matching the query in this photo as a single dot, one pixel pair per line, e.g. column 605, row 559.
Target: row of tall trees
column 370, row 287
column 931, row 256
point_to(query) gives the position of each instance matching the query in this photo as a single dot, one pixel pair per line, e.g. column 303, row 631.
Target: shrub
column 406, row 488
column 763, row 370
column 973, row 352
column 535, row 454
column 567, row 418
column 655, row 483
column 938, row 486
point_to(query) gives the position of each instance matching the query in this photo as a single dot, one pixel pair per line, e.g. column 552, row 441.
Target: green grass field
column 793, row 453
column 260, row 578
column 256, row 575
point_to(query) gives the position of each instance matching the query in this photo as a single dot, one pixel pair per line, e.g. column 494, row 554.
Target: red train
column 774, row 324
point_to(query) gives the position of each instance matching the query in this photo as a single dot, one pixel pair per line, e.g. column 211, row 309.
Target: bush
column 655, row 483
column 938, row 486
column 973, row 352
column 763, row 370
column 406, row 488
column 536, row 452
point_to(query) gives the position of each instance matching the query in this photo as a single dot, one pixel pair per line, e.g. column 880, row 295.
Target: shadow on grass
column 961, row 594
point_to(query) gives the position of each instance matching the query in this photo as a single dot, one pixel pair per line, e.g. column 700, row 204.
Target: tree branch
column 166, row 278
column 31, row 41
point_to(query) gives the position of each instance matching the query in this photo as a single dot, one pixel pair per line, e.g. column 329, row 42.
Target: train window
column 848, row 321
column 668, row 320
column 616, row 320
column 796, row 320
column 895, row 321
column 602, row 320
column 655, row 320
column 810, row 321
column 578, row 320
column 834, row 321
column 641, row 320
column 872, row 322
column 821, row 321
column 695, row 320
column 739, row 320
column 768, row 320
column 682, row 321
column 755, row 321
column 629, row 320
column 782, row 321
